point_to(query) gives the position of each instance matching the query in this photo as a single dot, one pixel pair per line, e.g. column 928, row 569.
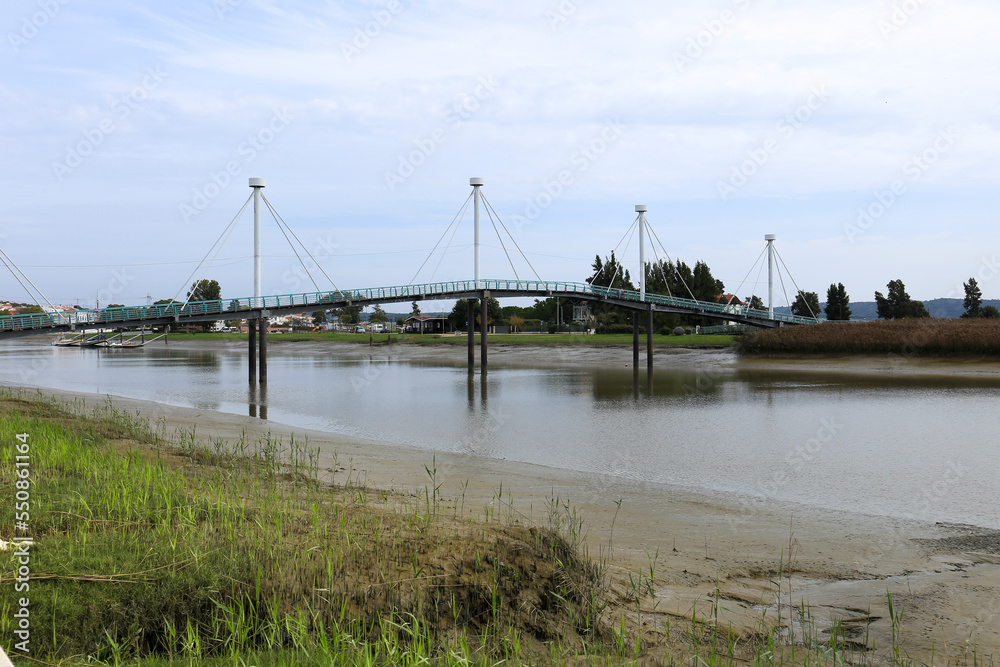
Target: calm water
column 902, row 447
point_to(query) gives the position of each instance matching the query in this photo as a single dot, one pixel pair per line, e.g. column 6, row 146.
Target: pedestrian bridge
column 287, row 304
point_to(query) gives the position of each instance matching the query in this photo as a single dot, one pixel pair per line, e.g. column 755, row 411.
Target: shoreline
column 946, row 577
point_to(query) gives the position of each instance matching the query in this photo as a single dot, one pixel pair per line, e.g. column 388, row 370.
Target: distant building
column 427, row 324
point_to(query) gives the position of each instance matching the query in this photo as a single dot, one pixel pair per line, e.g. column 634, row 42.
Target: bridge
column 269, row 306
column 258, row 308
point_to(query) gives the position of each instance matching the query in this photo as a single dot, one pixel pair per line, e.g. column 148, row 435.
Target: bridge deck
column 267, row 306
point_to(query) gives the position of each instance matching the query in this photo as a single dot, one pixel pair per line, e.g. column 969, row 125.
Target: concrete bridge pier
column 635, row 340
column 471, row 331
column 257, row 360
column 262, row 357
column 483, row 326
column 252, row 351
column 649, row 340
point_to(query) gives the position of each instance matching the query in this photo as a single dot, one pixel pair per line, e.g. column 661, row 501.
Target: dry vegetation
column 907, row 337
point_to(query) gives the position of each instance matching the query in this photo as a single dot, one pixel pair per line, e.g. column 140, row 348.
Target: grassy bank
column 198, row 555
column 907, row 337
column 531, row 340
column 161, row 549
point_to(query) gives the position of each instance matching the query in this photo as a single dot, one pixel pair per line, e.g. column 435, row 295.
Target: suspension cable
column 225, row 233
column 677, row 268
column 502, row 244
column 792, row 278
column 5, row 258
column 514, row 241
column 461, row 212
column 735, row 294
column 278, row 218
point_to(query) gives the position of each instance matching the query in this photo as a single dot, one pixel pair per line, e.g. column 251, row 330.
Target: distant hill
column 866, row 310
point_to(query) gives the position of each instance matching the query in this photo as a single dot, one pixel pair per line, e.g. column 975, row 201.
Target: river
column 892, row 445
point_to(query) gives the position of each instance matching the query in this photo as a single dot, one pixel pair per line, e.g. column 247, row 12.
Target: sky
column 863, row 134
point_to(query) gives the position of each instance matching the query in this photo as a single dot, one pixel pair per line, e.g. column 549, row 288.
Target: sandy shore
column 709, row 550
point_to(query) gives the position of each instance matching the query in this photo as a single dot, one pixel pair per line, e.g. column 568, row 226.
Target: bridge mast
column 477, row 191
column 770, row 273
column 257, row 327
column 257, row 184
column 641, row 210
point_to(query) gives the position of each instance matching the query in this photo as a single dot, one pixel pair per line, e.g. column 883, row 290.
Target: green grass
column 162, row 549
column 542, row 340
column 237, row 553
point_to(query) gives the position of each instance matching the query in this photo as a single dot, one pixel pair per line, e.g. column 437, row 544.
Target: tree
column 515, row 321
column 164, row 302
column 30, row 310
column 989, row 313
column 319, row 317
column 705, row 286
column 806, row 304
column 755, row 302
column 610, row 273
column 348, row 314
column 898, row 304
column 115, row 305
column 459, row 313
column 414, row 309
column 378, row 315
column 973, row 302
column 205, row 290
column 837, row 303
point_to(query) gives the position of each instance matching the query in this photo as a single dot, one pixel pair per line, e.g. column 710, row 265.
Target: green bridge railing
column 238, row 308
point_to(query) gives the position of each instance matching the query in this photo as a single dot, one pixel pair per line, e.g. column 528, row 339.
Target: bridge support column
column 483, row 326
column 635, row 340
column 649, row 340
column 252, row 352
column 262, row 357
column 471, row 331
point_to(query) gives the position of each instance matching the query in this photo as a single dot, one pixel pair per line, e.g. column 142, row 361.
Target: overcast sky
column 863, row 134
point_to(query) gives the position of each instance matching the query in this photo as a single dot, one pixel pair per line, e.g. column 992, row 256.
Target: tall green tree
column 205, row 290
column 838, row 304
column 459, row 313
column 755, row 302
column 973, row 302
column 610, row 273
column 704, row 285
column 378, row 315
column 898, row 304
column 414, row 309
column 348, row 314
column 806, row 304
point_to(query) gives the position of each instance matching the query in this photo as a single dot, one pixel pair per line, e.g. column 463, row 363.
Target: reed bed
column 907, row 337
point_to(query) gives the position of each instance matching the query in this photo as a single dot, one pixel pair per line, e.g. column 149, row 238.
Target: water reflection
column 257, row 400
column 707, row 425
